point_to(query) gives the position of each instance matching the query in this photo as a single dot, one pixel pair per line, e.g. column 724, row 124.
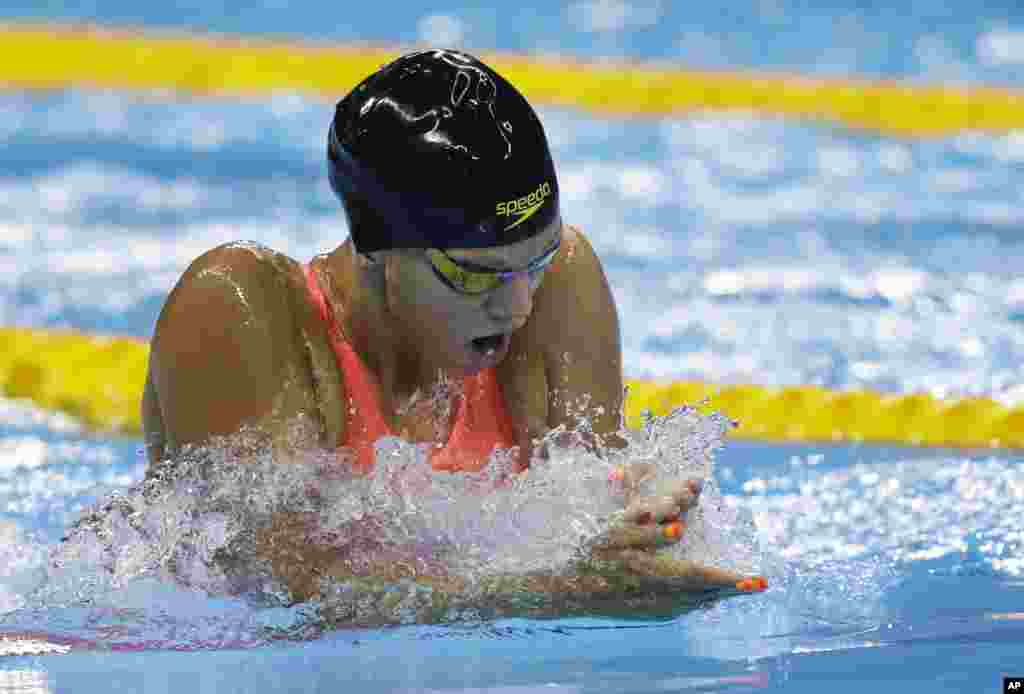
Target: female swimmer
column 459, row 279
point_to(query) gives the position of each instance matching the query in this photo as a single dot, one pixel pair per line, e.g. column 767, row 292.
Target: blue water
column 739, row 249
column 958, row 40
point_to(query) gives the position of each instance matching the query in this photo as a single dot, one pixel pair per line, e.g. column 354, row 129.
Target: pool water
column 886, row 565
column 739, row 249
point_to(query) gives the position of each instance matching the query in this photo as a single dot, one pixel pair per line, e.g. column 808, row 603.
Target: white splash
column 160, row 549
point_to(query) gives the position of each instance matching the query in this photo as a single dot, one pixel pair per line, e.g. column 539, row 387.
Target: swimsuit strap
column 365, row 421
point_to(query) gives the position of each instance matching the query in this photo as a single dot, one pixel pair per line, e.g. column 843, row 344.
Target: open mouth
column 489, row 344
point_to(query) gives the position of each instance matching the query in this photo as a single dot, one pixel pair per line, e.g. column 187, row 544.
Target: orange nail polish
column 617, row 475
column 672, row 531
column 755, row 584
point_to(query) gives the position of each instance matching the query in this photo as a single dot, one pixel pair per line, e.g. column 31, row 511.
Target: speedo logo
column 525, row 207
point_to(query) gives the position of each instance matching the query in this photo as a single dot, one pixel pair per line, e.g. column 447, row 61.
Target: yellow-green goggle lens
column 473, row 281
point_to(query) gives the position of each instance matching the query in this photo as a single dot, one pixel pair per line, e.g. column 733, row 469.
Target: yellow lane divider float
column 56, row 57
column 99, row 380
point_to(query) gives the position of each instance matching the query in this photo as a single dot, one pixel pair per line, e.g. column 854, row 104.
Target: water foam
column 172, row 560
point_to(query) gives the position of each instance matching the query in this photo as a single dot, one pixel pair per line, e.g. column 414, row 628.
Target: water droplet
column 471, row 525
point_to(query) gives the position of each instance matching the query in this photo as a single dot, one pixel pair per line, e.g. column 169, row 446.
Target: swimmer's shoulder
column 574, row 332
column 573, row 294
column 577, row 254
column 232, row 347
column 576, row 274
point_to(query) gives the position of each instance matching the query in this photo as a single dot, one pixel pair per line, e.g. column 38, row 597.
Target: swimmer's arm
column 384, row 591
column 227, row 352
column 599, row 590
column 580, row 341
column 152, row 422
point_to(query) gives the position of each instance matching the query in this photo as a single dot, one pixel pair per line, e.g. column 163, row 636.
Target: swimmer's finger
column 683, row 574
column 636, row 473
column 686, row 493
column 630, row 477
column 633, row 536
column 653, row 509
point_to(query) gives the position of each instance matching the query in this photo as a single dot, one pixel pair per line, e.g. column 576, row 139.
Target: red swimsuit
column 481, row 423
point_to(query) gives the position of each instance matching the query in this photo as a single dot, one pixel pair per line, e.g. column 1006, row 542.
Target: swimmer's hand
column 363, row 580
column 655, row 519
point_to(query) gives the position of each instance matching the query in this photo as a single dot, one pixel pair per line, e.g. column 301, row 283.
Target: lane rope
column 99, row 380
column 109, row 58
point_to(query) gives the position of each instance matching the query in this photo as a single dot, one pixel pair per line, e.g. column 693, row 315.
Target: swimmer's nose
column 511, row 303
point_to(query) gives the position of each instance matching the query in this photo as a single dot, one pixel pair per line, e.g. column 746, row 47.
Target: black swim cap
column 437, row 150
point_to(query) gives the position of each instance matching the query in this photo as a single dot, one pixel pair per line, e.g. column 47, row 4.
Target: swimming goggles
column 468, row 278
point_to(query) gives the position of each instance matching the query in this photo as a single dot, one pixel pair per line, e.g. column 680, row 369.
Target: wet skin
column 238, row 343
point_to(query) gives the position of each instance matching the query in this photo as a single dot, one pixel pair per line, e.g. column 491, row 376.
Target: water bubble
column 197, row 523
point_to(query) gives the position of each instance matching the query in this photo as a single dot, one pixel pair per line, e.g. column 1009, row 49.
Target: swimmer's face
column 467, row 332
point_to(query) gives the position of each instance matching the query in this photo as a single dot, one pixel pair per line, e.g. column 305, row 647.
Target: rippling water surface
column 738, row 248
column 778, row 252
